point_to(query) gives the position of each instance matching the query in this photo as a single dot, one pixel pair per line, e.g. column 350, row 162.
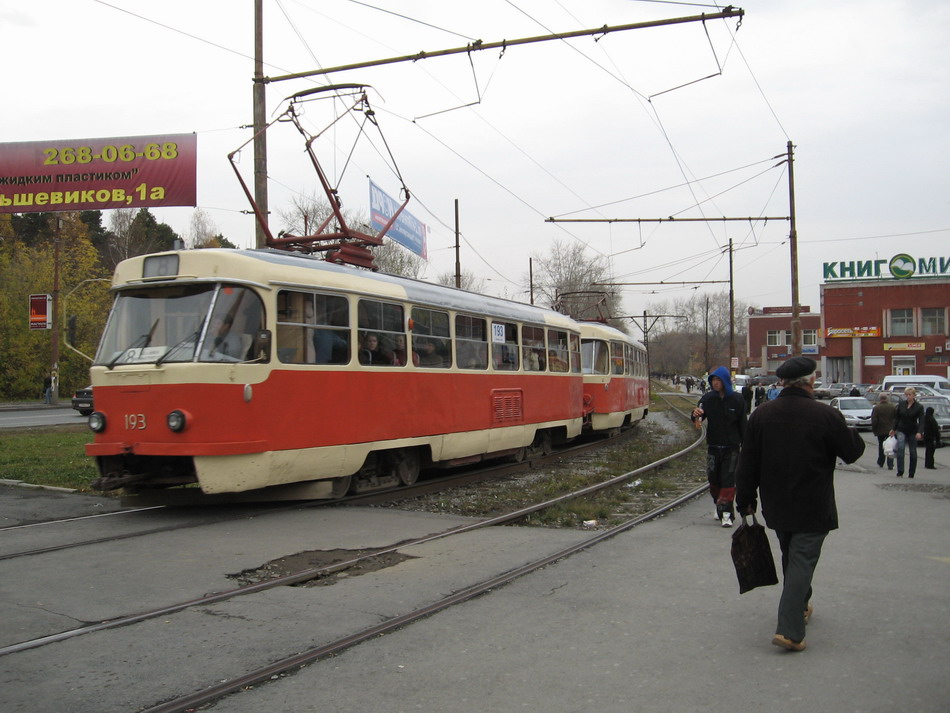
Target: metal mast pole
column 260, row 136
column 458, row 261
column 793, row 247
column 55, row 334
column 732, row 311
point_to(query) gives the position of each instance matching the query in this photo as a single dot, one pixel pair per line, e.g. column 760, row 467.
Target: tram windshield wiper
column 192, row 337
column 146, row 339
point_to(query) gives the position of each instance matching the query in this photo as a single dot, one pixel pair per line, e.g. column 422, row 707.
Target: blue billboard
column 408, row 231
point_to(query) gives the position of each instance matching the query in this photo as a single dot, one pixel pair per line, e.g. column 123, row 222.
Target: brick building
column 877, row 317
column 769, row 337
column 884, row 325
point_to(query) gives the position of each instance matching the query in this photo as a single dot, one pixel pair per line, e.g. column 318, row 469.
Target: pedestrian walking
column 931, row 437
column 882, row 419
column 724, row 412
column 788, row 460
column 908, row 428
column 48, row 390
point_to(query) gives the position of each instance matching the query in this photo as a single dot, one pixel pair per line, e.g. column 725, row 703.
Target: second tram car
column 242, row 370
column 616, row 384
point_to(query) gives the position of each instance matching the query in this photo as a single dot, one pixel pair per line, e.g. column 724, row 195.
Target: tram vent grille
column 508, row 406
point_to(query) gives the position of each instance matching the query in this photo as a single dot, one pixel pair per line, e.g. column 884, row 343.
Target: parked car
column 922, row 391
column 821, row 391
column 855, row 409
column 82, row 401
column 839, row 389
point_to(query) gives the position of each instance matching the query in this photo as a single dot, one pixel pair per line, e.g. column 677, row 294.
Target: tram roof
column 281, row 268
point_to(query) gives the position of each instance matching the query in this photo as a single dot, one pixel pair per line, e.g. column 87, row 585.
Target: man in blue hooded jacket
column 724, row 412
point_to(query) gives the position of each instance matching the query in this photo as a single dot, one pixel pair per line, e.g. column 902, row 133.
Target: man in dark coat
column 788, row 457
column 882, row 418
column 724, row 412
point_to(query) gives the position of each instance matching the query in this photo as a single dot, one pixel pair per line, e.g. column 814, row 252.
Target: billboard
column 98, row 174
column 408, row 231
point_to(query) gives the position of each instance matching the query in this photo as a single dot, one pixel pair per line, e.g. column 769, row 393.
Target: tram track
column 267, row 673
column 383, row 495
column 342, row 643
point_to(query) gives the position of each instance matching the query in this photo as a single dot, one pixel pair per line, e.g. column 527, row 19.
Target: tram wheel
column 407, row 465
column 341, row 486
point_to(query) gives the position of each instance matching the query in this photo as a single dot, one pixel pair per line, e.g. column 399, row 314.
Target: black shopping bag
column 752, row 556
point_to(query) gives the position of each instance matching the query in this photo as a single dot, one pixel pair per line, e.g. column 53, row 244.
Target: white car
column 856, row 410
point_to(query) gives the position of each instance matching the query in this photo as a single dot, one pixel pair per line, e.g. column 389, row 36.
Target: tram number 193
column 135, row 422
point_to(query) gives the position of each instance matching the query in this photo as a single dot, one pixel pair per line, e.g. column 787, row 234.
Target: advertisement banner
column 408, row 231
column 41, row 311
column 832, row 332
column 904, row 347
column 99, row 174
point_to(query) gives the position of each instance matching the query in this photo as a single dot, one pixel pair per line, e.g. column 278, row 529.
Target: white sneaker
column 726, row 519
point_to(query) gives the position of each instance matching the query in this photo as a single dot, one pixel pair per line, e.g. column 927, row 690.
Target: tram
column 294, row 377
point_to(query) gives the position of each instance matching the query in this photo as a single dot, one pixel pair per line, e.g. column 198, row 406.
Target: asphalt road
column 39, row 416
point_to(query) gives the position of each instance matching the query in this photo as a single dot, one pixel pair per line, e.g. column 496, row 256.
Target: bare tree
column 568, row 269
column 468, row 281
column 699, row 339
column 394, row 259
column 203, row 231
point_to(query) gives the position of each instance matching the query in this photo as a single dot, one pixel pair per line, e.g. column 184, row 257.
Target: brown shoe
column 788, row 644
column 808, row 612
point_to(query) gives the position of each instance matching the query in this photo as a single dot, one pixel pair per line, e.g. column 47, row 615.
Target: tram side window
column 575, row 341
column 471, row 342
column 237, row 318
column 312, row 328
column 532, row 347
column 382, row 334
column 558, row 351
column 504, row 347
column 616, row 357
column 594, row 356
column 431, row 338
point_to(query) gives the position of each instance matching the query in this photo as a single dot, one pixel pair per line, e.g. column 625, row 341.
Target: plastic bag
column 890, row 446
column 752, row 556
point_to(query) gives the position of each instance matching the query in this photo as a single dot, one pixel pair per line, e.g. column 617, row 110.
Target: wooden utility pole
column 260, row 121
column 793, row 247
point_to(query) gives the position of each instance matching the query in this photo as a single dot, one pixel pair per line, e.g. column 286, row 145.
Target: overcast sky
column 613, row 128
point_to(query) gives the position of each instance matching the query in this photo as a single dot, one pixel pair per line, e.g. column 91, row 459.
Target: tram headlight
column 176, row 421
column 97, row 421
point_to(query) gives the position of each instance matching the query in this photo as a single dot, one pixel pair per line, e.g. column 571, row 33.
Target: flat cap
column 796, row 367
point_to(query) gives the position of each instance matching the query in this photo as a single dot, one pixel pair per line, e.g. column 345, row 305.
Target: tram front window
column 156, row 325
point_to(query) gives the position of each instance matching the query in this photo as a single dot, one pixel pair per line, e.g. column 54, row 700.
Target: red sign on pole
column 41, row 311
column 98, row 174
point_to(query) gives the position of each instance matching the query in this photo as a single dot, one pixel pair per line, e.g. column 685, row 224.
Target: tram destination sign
column 902, row 266
column 98, row 174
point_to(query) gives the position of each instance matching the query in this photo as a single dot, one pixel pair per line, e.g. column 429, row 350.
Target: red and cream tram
column 242, row 370
column 616, row 385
